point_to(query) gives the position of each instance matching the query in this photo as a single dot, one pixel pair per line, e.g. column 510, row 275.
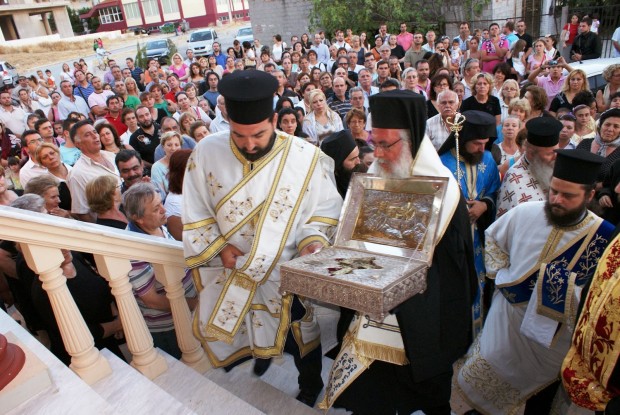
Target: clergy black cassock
column 436, row 324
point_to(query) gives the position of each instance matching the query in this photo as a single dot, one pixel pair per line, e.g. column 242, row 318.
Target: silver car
column 245, row 34
column 158, row 49
column 9, row 73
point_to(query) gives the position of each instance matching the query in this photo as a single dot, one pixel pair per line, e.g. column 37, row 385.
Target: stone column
column 86, row 360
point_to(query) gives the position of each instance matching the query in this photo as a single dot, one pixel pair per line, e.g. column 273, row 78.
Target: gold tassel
column 373, row 351
column 218, row 335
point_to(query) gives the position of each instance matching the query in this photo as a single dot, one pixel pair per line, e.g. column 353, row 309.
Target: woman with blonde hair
column 508, row 92
column 482, row 98
column 104, row 198
column 132, row 87
column 46, row 186
column 521, row 108
column 611, row 75
column 185, row 122
column 48, row 156
column 170, row 141
column 179, row 67
column 575, row 82
column 322, row 120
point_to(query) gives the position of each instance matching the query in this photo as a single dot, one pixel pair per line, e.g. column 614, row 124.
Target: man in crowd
column 282, row 91
column 415, row 52
column 528, row 179
column 69, row 153
column 93, row 163
column 342, row 148
column 175, row 87
column 13, row 118
column 146, row 139
column 478, row 178
column 524, row 36
column 358, row 99
column 212, row 93
column 464, row 36
column 339, row 102
column 552, row 83
column 136, row 72
column 130, row 101
column 190, row 57
column 539, row 254
column 83, row 88
column 587, row 44
column 383, row 73
column 437, row 127
column 115, row 112
column 429, row 46
column 220, row 58
column 171, row 124
column 31, row 140
column 22, row 83
column 321, row 49
column 45, row 129
column 220, row 249
column 509, row 32
column 117, row 75
column 97, row 101
column 370, row 63
column 404, row 38
column 340, row 42
column 220, row 122
column 423, row 68
column 365, row 79
column 419, row 375
column 383, row 34
column 70, row 102
column 129, row 165
column 470, row 70
column 565, row 139
column 353, row 62
column 108, row 78
column 394, row 67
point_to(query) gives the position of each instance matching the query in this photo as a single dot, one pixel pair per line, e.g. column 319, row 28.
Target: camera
column 553, row 63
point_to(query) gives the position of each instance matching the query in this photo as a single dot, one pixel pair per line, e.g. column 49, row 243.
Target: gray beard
column 401, row 168
column 541, row 172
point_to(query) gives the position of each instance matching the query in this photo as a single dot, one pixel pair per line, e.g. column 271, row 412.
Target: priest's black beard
column 473, row 159
column 260, row 153
column 568, row 217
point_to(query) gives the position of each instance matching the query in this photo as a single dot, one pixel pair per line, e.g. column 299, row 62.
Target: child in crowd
column 456, row 56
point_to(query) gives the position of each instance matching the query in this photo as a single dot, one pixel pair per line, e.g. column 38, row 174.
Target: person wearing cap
column 552, row 83
column 256, row 197
column 435, row 326
column 341, row 147
column 540, row 255
column 528, row 179
column 478, row 177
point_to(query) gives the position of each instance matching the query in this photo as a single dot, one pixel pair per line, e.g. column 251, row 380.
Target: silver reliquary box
column 383, row 247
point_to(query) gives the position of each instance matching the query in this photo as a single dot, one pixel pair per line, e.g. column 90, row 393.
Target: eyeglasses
column 36, row 140
column 383, row 146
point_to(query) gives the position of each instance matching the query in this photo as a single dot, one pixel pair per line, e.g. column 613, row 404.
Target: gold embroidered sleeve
column 495, row 257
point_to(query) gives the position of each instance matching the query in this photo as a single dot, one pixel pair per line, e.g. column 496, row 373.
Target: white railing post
column 139, row 340
column 86, row 360
column 171, row 278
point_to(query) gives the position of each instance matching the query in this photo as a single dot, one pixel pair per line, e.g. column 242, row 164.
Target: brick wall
column 290, row 17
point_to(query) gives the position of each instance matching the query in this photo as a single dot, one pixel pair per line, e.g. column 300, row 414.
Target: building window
column 150, row 8
column 132, row 10
column 170, row 6
column 110, row 15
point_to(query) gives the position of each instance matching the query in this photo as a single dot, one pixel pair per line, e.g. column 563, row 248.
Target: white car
column 594, row 71
column 201, row 41
column 245, row 34
column 9, row 74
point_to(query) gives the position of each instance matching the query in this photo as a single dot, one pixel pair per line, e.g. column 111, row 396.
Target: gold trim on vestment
column 323, row 219
column 199, row 224
column 244, row 221
column 264, row 308
column 310, row 239
column 304, row 348
column 207, row 254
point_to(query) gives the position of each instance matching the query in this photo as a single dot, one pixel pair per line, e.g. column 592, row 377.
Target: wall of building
column 29, row 26
column 290, row 17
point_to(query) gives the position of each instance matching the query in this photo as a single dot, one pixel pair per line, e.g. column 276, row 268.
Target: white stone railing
column 41, row 238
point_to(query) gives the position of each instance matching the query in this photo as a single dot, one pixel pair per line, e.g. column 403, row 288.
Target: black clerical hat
column 543, row 131
column 248, row 95
column 577, row 166
column 400, row 109
column 478, row 125
column 338, row 146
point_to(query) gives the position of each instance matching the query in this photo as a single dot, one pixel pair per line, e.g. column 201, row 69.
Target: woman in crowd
column 46, row 186
column 284, row 102
column 171, row 142
column 26, row 102
column 192, row 94
column 305, row 41
column 508, row 146
column 516, row 55
column 611, row 75
column 521, row 108
column 481, row 98
column 66, row 74
column 550, row 50
column 48, row 156
column 537, row 98
column 356, row 122
column 277, row 49
column 288, row 122
column 230, row 66
column 459, row 88
column 536, row 57
column 40, row 94
column 110, row 140
column 315, row 76
column 104, row 198
column 410, row 80
column 575, row 82
column 179, row 67
column 436, row 63
column 132, row 87
column 501, row 73
column 185, row 121
column 439, row 83
column 375, row 50
column 508, row 92
column 203, row 62
column 568, row 35
column 322, row 121
column 195, row 73
column 473, row 50
column 325, row 82
column 6, row 196
column 356, row 46
column 364, row 42
column 198, row 130
column 584, row 123
column 396, row 49
column 289, row 72
column 184, row 106
column 174, row 201
column 10, row 145
column 606, row 142
column 302, row 79
column 53, row 115
column 213, row 66
column 265, row 58
column 128, row 116
column 11, row 175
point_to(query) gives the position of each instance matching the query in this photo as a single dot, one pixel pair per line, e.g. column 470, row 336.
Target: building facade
column 21, row 19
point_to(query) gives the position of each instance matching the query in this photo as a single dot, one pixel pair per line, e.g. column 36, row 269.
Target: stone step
column 131, row 393
column 199, row 393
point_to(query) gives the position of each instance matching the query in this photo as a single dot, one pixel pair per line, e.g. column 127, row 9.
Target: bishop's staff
column 456, row 125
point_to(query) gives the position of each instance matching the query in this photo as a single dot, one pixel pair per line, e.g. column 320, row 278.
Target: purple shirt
column 550, row 87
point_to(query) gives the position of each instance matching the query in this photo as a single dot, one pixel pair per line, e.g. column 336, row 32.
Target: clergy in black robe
column 435, row 325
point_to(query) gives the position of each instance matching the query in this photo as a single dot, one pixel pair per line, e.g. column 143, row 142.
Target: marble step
column 131, row 393
column 199, row 393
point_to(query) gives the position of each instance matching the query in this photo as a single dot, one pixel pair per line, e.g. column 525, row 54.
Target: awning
column 100, row 6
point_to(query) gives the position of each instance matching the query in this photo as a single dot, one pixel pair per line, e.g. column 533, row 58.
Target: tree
column 140, row 60
column 76, row 22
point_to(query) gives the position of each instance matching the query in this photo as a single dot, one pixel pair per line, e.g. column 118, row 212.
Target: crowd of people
column 163, row 150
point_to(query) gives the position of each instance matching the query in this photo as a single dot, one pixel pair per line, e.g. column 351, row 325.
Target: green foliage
column 173, row 49
column 76, row 22
column 367, row 15
column 140, row 59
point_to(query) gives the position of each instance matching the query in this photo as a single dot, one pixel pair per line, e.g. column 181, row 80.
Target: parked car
column 594, row 71
column 9, row 74
column 158, row 49
column 201, row 41
column 245, row 34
